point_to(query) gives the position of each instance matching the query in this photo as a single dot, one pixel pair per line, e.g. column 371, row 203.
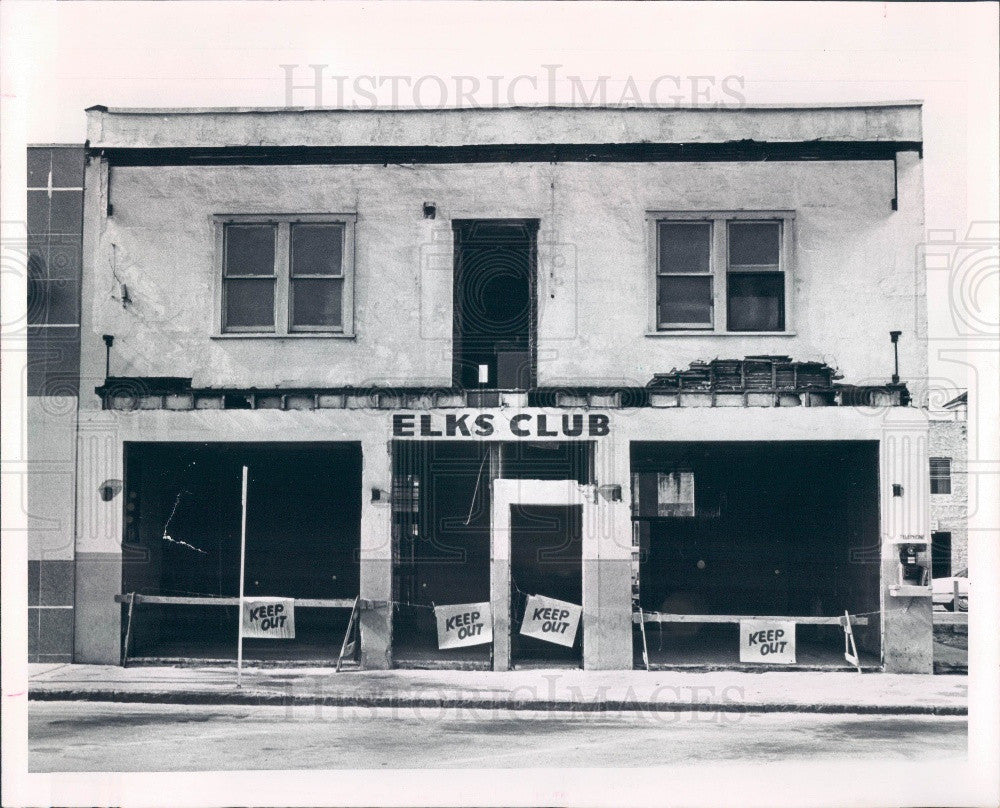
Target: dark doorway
column 940, row 555
column 441, row 545
column 546, row 550
column 494, row 299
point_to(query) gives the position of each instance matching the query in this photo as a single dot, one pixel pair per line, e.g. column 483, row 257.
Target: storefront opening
column 441, row 505
column 182, row 538
column 763, row 529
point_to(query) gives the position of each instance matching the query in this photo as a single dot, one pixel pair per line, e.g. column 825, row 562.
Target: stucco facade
column 594, row 181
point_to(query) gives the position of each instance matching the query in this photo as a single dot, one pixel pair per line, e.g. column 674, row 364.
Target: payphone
column 913, row 568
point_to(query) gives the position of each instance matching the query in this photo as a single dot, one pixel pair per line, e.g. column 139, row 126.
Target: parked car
column 943, row 591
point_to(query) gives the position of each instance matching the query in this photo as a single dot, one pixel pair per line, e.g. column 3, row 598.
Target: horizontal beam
column 657, row 617
column 302, row 603
column 729, row 151
column 951, row 618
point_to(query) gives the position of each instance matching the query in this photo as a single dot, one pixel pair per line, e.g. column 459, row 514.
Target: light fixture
column 109, row 489
column 610, row 492
column 894, row 336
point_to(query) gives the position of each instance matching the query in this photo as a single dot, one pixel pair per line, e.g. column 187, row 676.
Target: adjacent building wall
column 55, row 201
column 949, row 512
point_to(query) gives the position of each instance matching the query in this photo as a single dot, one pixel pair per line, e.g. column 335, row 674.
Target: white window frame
column 283, row 327
column 719, row 267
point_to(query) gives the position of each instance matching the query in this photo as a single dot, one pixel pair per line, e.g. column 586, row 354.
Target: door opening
column 546, row 551
column 940, row 554
column 494, row 299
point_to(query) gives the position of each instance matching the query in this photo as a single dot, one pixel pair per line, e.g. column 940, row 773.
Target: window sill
column 708, row 333
column 297, row 335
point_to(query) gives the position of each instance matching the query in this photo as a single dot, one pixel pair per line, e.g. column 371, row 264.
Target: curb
column 283, row 700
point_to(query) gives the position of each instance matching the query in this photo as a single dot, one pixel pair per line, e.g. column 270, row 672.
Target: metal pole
column 243, row 564
column 131, row 606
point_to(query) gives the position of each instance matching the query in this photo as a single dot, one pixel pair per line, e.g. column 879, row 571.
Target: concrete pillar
column 376, row 553
column 607, row 564
column 97, row 630
column 907, row 622
column 51, row 453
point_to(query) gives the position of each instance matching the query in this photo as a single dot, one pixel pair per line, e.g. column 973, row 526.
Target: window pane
column 940, row 466
column 685, row 300
column 64, row 256
column 317, row 249
column 675, row 493
column 250, row 303
column 61, row 300
column 39, row 162
column 67, row 168
column 317, row 302
column 754, row 243
column 37, row 280
column 66, row 212
column 940, row 485
column 756, row 301
column 684, row 246
column 940, row 475
column 38, row 212
column 250, row 249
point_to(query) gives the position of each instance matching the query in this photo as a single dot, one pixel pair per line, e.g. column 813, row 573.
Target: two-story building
column 633, row 359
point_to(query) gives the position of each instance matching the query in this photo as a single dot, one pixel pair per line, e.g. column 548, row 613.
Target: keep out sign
column 464, row 624
column 269, row 618
column 551, row 620
column 767, row 641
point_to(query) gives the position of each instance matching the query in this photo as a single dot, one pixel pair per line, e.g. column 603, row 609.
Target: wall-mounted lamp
column 897, row 490
column 109, row 340
column 430, row 210
column 612, row 493
column 109, row 489
column 380, row 495
column 894, row 336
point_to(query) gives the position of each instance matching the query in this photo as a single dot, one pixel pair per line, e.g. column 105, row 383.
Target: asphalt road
column 90, row 736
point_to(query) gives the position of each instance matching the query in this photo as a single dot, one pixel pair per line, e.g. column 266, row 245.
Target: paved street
column 88, row 736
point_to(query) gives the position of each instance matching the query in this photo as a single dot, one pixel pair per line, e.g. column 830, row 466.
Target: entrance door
column 494, row 318
column 540, row 532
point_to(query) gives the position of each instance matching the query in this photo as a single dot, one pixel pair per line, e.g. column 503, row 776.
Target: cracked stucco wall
column 856, row 275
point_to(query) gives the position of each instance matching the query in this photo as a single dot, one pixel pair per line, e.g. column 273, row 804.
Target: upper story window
column 286, row 275
column 722, row 272
column 940, row 475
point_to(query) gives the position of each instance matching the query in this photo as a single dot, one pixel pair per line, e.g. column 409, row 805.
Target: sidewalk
column 563, row 690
